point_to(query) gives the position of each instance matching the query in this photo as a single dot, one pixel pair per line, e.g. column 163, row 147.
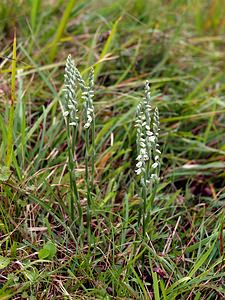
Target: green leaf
column 32, row 274
column 13, row 249
column 155, row 286
column 4, row 173
column 6, row 294
column 197, row 265
column 48, row 251
column 51, row 248
column 43, row 253
column 4, row 262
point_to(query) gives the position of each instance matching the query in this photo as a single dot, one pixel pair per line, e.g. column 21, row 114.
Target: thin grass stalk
column 74, row 162
column 70, row 167
column 91, row 119
column 60, row 29
column 87, row 146
column 75, row 199
column 87, row 176
column 11, row 112
column 87, row 95
column 150, row 203
column 22, row 120
column 93, row 154
column 144, row 197
column 75, row 190
column 89, row 197
column 74, row 141
column 35, row 5
column 106, row 48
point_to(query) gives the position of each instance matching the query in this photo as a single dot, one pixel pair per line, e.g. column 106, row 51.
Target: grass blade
column 61, row 28
column 201, row 260
column 155, row 286
column 11, row 113
column 106, row 47
column 35, row 5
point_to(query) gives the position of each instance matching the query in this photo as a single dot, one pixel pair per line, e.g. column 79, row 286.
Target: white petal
column 87, row 125
column 155, row 165
column 66, row 113
column 149, row 133
column 151, row 139
column 154, row 177
column 142, row 144
column 138, row 171
column 139, row 164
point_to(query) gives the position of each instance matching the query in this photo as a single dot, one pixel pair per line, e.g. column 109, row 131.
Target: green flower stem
column 74, row 192
column 144, row 197
column 93, row 155
column 89, row 198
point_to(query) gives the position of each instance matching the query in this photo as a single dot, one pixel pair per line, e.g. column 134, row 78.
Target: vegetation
column 92, row 206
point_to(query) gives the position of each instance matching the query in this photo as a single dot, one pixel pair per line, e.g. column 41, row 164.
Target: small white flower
column 66, row 113
column 154, row 177
column 138, row 171
column 73, row 123
column 145, row 157
column 70, row 103
column 139, row 164
column 155, row 165
column 149, row 133
column 143, row 151
column 151, row 139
